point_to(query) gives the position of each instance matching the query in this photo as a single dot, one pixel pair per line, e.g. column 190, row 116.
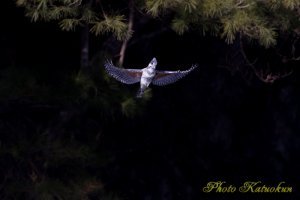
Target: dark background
column 220, row 123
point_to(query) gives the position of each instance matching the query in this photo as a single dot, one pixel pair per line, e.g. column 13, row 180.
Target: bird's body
column 146, row 75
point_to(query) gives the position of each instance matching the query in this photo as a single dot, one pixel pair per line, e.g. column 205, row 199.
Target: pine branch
column 21, row 2
column 129, row 32
column 57, row 13
column 266, row 36
column 114, row 24
column 216, row 8
column 88, row 15
column 69, row 24
column 154, row 7
column 291, row 4
column 180, row 26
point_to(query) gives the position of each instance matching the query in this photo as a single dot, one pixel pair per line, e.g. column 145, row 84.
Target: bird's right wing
column 168, row 77
column 127, row 76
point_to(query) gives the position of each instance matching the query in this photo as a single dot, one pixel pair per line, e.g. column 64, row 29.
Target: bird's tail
column 140, row 93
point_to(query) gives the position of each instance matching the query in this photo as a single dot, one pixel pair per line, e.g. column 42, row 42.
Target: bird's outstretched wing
column 168, row 77
column 127, row 76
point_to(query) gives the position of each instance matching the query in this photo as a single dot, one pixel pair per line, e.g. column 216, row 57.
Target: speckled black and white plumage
column 168, row 77
column 146, row 75
column 127, row 76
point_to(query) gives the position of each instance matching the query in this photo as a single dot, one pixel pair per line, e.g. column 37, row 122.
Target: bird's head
column 153, row 63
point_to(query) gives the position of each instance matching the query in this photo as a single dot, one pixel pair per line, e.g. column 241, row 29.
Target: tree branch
column 84, row 60
column 292, row 57
column 240, row 4
column 264, row 75
column 129, row 31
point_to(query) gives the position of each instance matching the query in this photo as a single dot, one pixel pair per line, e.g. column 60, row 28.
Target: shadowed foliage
column 70, row 131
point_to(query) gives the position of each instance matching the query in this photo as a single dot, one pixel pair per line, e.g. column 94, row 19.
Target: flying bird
column 146, row 75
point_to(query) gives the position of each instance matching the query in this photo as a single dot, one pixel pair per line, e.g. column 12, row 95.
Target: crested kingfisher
column 146, row 75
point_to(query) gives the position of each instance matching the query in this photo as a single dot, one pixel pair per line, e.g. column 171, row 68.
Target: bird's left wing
column 168, row 77
column 127, row 76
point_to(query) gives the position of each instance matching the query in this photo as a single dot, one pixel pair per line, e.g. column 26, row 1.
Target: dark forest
column 69, row 131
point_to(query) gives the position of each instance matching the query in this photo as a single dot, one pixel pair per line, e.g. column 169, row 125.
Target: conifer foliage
column 73, row 13
column 259, row 20
column 253, row 19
